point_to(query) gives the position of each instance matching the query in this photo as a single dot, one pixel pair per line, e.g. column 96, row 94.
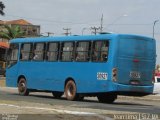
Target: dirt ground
column 2, row 83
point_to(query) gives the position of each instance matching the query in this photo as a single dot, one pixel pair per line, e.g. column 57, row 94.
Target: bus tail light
column 114, row 74
column 153, row 77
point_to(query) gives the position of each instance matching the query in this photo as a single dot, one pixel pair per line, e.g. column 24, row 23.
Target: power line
column 68, row 22
column 129, row 24
column 53, row 21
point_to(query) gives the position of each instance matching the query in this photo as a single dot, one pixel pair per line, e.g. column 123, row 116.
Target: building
column 3, row 47
column 29, row 29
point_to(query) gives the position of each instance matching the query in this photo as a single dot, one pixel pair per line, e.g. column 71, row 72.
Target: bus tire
column 71, row 90
column 57, row 94
column 80, row 98
column 107, row 97
column 22, row 87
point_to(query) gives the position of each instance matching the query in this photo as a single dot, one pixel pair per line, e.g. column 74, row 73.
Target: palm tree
column 11, row 32
column 2, row 6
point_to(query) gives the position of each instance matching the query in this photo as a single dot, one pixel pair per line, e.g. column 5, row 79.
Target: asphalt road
column 90, row 104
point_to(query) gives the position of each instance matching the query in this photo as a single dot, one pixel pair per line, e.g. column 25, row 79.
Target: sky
column 119, row 16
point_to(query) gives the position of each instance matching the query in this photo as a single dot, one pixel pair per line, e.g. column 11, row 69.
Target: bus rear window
column 140, row 48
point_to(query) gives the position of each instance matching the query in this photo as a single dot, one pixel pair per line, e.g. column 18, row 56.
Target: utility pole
column 67, row 31
column 154, row 23
column 95, row 29
column 49, row 33
column 101, row 28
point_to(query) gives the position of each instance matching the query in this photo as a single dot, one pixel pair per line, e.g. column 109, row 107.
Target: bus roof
column 74, row 38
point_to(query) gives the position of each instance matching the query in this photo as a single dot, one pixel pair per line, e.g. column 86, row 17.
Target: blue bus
column 104, row 66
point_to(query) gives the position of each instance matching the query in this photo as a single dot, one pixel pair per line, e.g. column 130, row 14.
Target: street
column 44, row 103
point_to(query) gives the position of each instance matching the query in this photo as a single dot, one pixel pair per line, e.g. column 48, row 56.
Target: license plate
column 135, row 74
column 133, row 82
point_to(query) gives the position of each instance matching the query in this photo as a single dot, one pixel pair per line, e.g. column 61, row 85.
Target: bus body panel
column 12, row 75
column 136, row 60
column 44, row 78
column 125, row 54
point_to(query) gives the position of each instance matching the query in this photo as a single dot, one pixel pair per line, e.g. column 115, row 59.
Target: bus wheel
column 70, row 90
column 80, row 98
column 107, row 97
column 22, row 87
column 57, row 94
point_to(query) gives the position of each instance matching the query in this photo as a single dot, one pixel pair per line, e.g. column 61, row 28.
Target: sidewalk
column 153, row 97
column 2, row 81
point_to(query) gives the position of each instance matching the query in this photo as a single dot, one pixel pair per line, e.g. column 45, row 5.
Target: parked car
column 157, row 85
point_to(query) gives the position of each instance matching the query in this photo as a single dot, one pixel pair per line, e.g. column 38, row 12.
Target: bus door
column 136, row 61
column 12, row 65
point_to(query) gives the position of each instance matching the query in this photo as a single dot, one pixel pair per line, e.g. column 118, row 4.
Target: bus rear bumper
column 131, row 90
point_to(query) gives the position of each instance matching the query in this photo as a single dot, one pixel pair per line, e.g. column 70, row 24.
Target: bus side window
column 83, row 51
column 100, row 51
column 52, row 54
column 14, row 52
column 12, row 56
column 39, row 51
column 26, row 51
column 67, row 51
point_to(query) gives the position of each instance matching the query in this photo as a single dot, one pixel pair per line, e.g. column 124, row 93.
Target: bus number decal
column 102, row 76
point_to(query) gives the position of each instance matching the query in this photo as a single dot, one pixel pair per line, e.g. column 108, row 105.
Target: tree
column 2, row 6
column 10, row 32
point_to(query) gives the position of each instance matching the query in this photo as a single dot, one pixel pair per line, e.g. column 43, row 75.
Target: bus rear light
column 114, row 74
column 153, row 77
column 135, row 60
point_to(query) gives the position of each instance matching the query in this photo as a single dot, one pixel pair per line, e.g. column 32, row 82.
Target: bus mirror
column 106, row 58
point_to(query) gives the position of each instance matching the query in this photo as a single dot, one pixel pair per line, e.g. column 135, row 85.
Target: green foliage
column 11, row 32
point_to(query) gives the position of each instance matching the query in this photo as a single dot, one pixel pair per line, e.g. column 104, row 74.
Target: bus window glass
column 82, row 51
column 52, row 54
column 12, row 54
column 100, row 51
column 39, row 52
column 26, row 51
column 67, row 51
